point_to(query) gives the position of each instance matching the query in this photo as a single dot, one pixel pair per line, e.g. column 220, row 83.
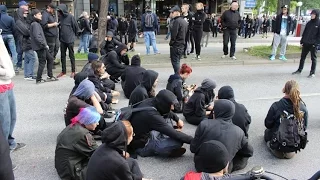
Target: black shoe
column 56, row 63
column 185, row 56
column 296, row 72
column 177, row 152
column 311, row 76
column 52, row 79
column 108, row 115
column 40, row 81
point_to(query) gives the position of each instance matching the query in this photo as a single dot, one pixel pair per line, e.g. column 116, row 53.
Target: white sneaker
column 233, row 58
column 223, row 56
column 199, row 58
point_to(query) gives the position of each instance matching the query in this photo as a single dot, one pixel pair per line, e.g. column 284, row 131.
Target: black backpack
column 80, row 24
column 290, row 136
column 126, row 112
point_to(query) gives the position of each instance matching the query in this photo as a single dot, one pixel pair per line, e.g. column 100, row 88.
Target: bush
column 264, row 51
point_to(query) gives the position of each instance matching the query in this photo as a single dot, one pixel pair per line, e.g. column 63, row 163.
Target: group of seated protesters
column 220, row 144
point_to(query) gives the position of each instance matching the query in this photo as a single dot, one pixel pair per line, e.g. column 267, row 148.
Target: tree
column 310, row 4
column 102, row 26
column 269, row 6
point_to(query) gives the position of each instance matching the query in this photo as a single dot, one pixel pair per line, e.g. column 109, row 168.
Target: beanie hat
column 86, row 116
column 226, row 92
column 35, row 11
column 211, row 157
column 208, row 84
column 136, row 60
column 92, row 57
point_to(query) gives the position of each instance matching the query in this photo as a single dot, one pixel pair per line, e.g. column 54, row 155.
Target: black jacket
column 94, row 42
column 174, row 85
column 5, row 160
column 107, row 46
column 48, row 18
column 68, row 27
column 38, row 40
column 142, row 91
column 95, row 79
column 7, row 23
column 178, row 30
column 132, row 77
column 198, row 20
column 95, row 23
column 85, row 23
column 279, row 21
column 230, row 19
column 188, row 19
column 222, row 129
column 23, row 31
column 146, row 121
column 311, row 34
column 107, row 162
column 249, row 23
column 73, row 108
column 123, row 26
column 207, row 25
column 74, row 147
column 133, row 28
column 114, row 62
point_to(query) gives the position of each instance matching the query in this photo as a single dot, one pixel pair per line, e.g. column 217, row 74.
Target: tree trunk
column 102, row 27
column 281, row 3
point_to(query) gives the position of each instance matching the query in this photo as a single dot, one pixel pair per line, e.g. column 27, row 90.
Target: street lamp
column 299, row 4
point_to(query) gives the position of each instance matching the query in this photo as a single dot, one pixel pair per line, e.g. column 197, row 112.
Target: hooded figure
column 7, row 23
column 114, row 62
column 78, row 78
column 145, row 89
column 222, row 129
column 108, row 161
column 241, row 117
column 175, row 85
column 107, row 46
column 68, row 27
column 195, row 109
column 23, row 30
column 132, row 76
column 146, row 122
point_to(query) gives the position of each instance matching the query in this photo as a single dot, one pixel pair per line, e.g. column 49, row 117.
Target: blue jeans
column 84, row 42
column 159, row 145
column 150, row 38
column 29, row 60
column 9, row 39
column 8, row 116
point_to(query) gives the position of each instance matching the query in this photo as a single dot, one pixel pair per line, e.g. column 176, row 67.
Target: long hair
column 291, row 89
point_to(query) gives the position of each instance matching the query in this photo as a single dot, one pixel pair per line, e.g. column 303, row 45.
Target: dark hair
column 96, row 65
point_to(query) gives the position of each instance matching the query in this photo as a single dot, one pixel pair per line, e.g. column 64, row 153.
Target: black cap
column 175, row 8
column 52, row 5
column 284, row 6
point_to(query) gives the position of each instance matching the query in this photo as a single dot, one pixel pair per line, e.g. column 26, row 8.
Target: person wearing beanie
column 241, row 116
column 132, row 32
column 211, row 161
column 154, row 136
column 198, row 106
column 310, row 42
column 132, row 76
column 39, row 44
column 223, row 130
column 78, row 78
column 75, row 145
column 109, row 44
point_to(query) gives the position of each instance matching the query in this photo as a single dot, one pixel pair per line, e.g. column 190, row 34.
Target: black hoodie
column 145, row 121
column 7, row 23
column 38, row 40
column 132, row 76
column 5, row 160
column 178, row 30
column 23, row 30
column 68, row 27
column 222, row 129
column 108, row 162
column 48, row 18
column 142, row 91
column 230, row 19
column 113, row 60
column 174, row 85
column 207, row 25
column 311, row 34
column 198, row 20
column 108, row 46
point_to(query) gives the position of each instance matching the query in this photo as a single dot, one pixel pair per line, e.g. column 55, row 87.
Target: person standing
column 215, row 24
column 132, row 32
column 178, row 34
column 309, row 42
column 94, row 20
column 149, row 24
column 68, row 29
column 85, row 32
column 207, row 28
column 123, row 29
column 265, row 26
column 282, row 29
column 230, row 21
column 197, row 21
column 249, row 25
column 187, row 16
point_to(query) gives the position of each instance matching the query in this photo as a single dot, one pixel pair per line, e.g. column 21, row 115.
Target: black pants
column 215, row 31
column 108, row 83
column 189, row 39
column 44, row 57
column 229, row 34
column 305, row 50
column 123, row 34
column 248, row 32
column 195, row 120
column 197, row 34
column 175, row 56
column 134, row 168
column 63, row 49
column 53, row 44
column 115, row 73
column 238, row 163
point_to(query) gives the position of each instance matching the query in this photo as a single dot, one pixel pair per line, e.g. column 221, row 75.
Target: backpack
column 149, row 20
column 80, row 24
column 126, row 112
column 290, row 136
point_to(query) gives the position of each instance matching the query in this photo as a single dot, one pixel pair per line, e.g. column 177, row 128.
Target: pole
column 298, row 20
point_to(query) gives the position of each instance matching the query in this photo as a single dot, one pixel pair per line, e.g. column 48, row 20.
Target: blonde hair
column 291, row 89
column 128, row 126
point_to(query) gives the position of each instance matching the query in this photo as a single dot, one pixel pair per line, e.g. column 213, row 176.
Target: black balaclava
column 164, row 99
column 224, row 109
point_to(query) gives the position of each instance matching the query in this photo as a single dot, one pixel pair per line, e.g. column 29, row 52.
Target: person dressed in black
column 132, row 76
column 123, row 29
column 197, row 22
column 249, row 26
column 223, row 130
column 230, row 21
column 207, row 28
column 241, row 116
column 310, row 41
column 6, row 171
column 215, row 24
column 198, row 106
column 178, row 34
column 146, row 89
column 265, row 26
column 109, row 44
column 39, row 44
column 94, row 20
column 189, row 41
column 153, row 135
column 132, row 32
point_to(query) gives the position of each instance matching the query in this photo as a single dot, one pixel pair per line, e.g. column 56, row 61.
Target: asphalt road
column 40, row 120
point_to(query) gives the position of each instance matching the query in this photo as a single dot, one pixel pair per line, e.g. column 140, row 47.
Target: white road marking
column 279, row 97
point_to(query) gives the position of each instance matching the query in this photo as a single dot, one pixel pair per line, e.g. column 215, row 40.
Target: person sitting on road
column 241, row 116
column 116, row 62
column 198, row 106
column 132, row 76
column 75, row 145
column 222, row 129
column 211, row 161
column 88, row 69
column 109, row 44
column 292, row 104
column 146, row 89
column 153, row 135
column 176, row 85
column 110, row 160
column 78, row 78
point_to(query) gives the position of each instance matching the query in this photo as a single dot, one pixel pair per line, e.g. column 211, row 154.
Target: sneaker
column 177, row 152
column 296, row 72
column 198, row 58
column 14, row 167
column 233, row 58
column 30, row 78
column 157, row 53
column 185, row 56
column 272, row 57
column 195, row 57
column 223, row 56
column 18, row 146
column 283, row 58
column 16, row 70
column 40, row 81
column 311, row 76
column 56, row 63
column 52, row 78
column 61, row 75
column 72, row 74
column 188, row 53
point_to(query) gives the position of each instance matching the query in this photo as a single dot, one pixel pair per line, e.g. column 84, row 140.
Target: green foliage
column 270, row 6
column 310, row 4
column 264, row 51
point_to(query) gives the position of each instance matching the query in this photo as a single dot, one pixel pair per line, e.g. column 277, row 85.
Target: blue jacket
column 7, row 23
column 155, row 23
